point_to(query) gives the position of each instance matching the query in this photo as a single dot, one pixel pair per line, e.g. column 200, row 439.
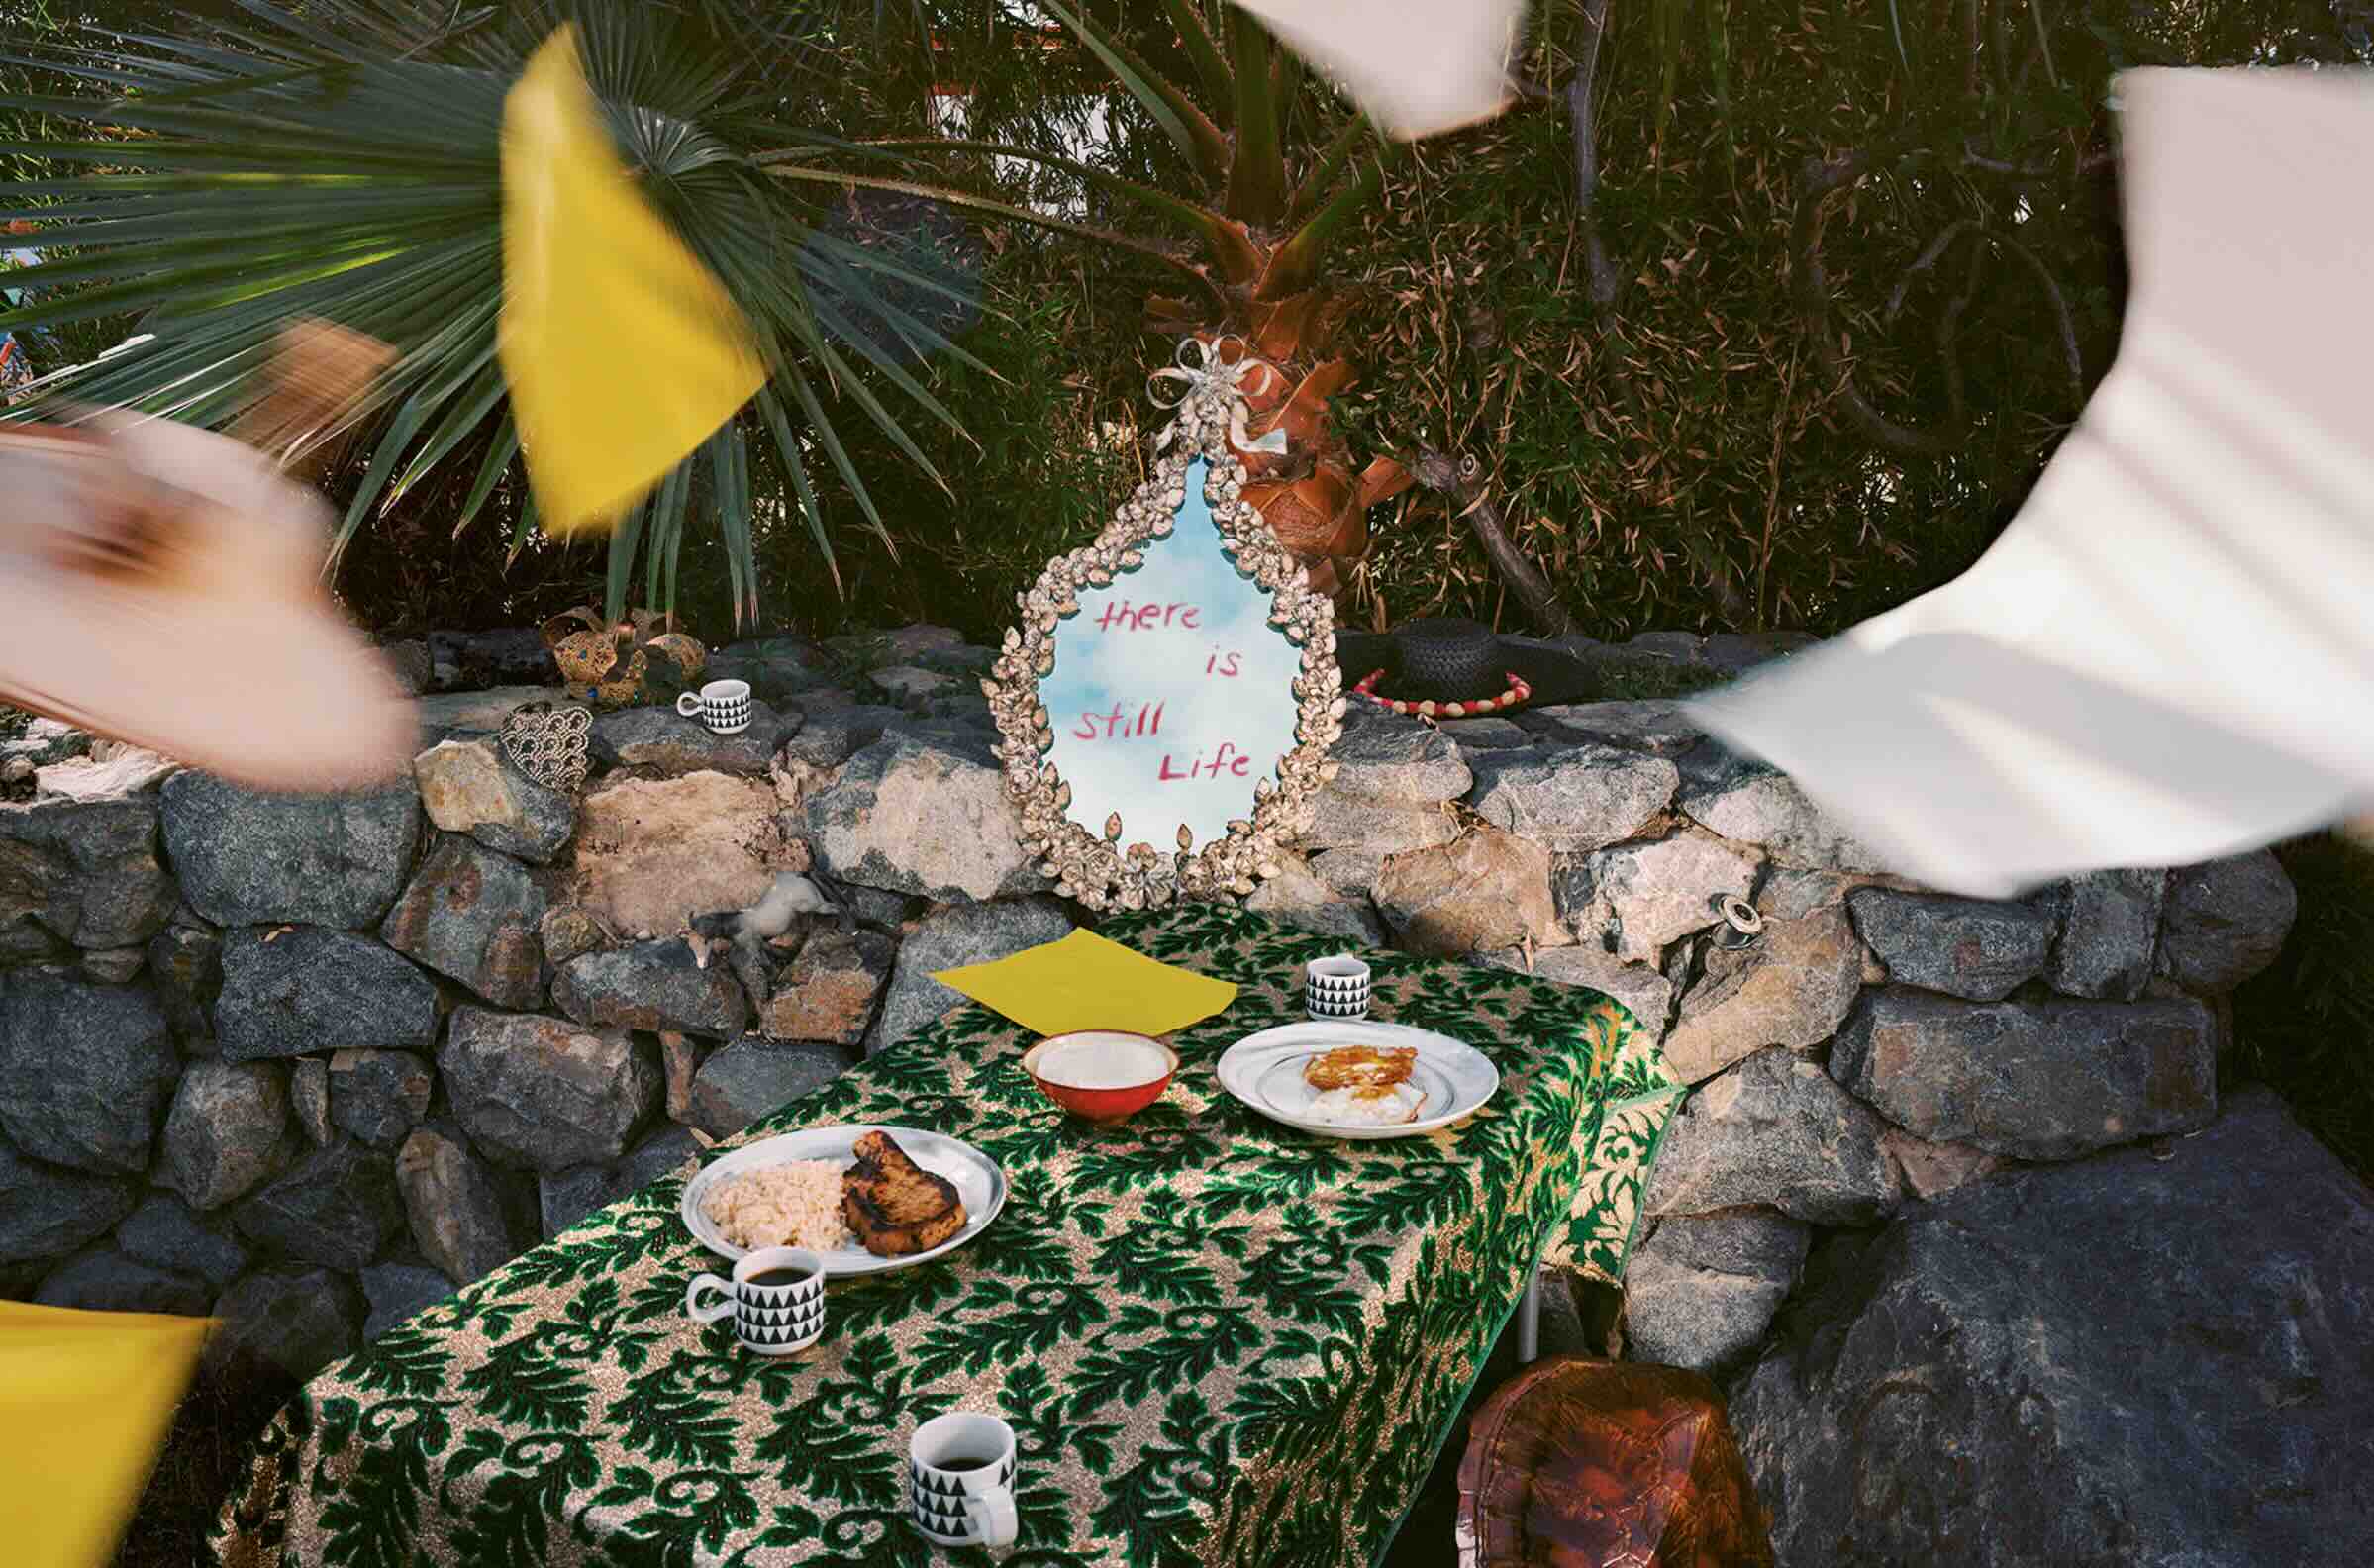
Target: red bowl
column 1101, row 1105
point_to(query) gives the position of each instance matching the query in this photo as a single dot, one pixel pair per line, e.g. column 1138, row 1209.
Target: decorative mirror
column 1167, row 702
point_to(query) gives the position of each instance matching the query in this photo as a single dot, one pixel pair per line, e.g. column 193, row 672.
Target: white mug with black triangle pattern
column 777, row 1299
column 961, row 1469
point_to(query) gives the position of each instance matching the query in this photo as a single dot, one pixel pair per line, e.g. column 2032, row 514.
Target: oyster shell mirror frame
column 1145, row 851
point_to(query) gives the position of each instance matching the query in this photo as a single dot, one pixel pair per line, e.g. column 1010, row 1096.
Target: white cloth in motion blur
column 2169, row 654
column 1416, row 66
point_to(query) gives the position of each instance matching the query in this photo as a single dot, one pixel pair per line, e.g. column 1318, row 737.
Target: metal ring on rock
column 1743, row 924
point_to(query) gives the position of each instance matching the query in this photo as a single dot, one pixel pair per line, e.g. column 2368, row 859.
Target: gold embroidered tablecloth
column 1220, row 1340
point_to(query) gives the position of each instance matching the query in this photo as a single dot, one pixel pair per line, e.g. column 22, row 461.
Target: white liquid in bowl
column 1103, row 1061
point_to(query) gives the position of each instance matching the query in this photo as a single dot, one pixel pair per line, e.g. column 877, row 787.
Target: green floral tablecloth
column 1220, row 1340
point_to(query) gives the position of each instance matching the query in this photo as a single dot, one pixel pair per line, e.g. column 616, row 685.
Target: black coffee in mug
column 775, row 1277
column 958, row 1464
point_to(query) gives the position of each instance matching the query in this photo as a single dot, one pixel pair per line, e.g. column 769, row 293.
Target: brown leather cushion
column 1581, row 1464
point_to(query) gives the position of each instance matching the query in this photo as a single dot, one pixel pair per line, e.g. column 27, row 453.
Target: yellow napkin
column 85, row 1401
column 622, row 352
column 1085, row 982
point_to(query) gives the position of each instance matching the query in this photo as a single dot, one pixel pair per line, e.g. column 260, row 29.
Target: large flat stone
column 80, row 873
column 168, row 1234
column 473, row 916
column 105, row 1280
column 1776, row 1131
column 1701, row 1291
column 1793, row 987
column 916, row 816
column 228, row 1131
column 86, row 1071
column 753, row 1078
column 1972, row 948
column 2127, row 1360
column 2226, row 920
column 829, row 991
column 1390, row 758
column 337, row 1207
column 247, row 857
column 654, row 985
column 1648, row 894
column 1746, row 801
column 48, row 1210
column 294, row 1320
column 662, row 739
column 1354, row 824
column 1644, row 993
column 1298, row 897
column 2034, row 1080
column 545, row 1094
column 1490, row 890
column 1655, row 726
column 1574, row 799
column 950, row 938
column 312, row 989
column 653, row 852
column 568, row 1196
column 470, row 787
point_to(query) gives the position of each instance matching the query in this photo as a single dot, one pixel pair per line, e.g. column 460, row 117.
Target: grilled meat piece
column 893, row 1206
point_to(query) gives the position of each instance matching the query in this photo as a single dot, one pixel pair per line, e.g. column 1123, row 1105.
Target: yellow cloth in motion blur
column 589, row 265
column 1089, row 982
column 85, row 1401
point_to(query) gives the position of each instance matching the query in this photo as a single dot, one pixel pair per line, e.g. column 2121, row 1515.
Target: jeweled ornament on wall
column 1166, row 705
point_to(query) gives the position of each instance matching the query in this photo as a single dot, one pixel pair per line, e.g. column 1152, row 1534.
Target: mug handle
column 721, row 1307
column 992, row 1513
column 694, row 697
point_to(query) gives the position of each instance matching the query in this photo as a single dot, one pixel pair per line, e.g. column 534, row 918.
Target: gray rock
column 296, row 1319
column 48, row 1210
column 1932, row 1170
column 85, row 1071
column 949, row 939
column 1387, row 758
column 168, row 1234
column 1490, row 890
column 680, row 1058
column 247, row 857
column 379, row 1095
column 543, row 1094
column 2034, row 1080
column 228, row 1131
column 1794, row 892
column 916, row 816
column 396, row 1291
column 652, row 985
column 1775, row 1129
column 1350, row 825
column 1656, row 726
column 1647, row 994
column 569, row 1195
column 473, row 916
column 876, row 907
column 1297, row 896
column 1793, row 987
column 337, row 1207
column 478, row 714
column 909, row 683
column 105, row 1280
column 1971, row 949
column 1751, row 803
column 2226, row 920
column 1573, row 799
column 464, row 1216
column 410, row 658
column 186, row 964
column 1351, row 872
column 777, row 667
column 471, row 787
column 751, row 1078
column 831, row 737
column 2109, row 922
column 473, row 661
column 908, row 645
column 286, row 992
column 829, row 991
column 82, row 873
column 568, row 930
column 309, row 1097
column 116, row 965
column 1702, row 1289
column 1648, row 894
column 662, row 738
column 1488, row 734
column 2127, row 1360
column 44, row 741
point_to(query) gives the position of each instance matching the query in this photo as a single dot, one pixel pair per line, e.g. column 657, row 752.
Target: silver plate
column 976, row 1177
column 1265, row 1071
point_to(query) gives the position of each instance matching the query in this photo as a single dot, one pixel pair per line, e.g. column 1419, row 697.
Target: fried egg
column 1384, row 1105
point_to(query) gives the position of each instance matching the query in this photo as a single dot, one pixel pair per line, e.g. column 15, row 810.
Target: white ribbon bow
column 1203, row 375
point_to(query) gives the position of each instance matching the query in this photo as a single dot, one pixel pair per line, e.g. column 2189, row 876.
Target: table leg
column 1528, row 1319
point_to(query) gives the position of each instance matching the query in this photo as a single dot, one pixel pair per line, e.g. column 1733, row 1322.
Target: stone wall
column 309, row 1064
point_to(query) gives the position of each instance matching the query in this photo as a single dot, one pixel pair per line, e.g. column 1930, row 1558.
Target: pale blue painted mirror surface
column 1172, row 694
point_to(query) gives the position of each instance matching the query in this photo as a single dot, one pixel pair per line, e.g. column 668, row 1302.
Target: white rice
column 797, row 1204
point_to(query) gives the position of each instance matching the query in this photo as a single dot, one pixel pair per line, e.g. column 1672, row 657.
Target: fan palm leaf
column 341, row 160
